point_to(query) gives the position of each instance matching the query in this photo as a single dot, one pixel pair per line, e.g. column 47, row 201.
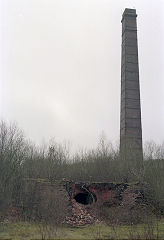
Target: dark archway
column 85, row 198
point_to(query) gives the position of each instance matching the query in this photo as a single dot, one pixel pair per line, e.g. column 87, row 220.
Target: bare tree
column 12, row 153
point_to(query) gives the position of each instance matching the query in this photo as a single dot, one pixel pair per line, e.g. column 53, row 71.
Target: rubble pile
column 80, row 215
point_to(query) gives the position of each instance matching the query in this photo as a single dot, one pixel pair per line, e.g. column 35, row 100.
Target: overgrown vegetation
column 20, row 159
column 26, row 231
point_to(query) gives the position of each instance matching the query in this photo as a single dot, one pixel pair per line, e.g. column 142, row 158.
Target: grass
column 20, row 230
column 28, row 231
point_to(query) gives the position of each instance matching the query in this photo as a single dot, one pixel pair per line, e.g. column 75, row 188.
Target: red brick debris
column 80, row 215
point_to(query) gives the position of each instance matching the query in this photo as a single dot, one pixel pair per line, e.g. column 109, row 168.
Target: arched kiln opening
column 85, row 198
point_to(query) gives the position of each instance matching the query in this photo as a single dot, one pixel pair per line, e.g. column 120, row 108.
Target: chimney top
column 129, row 12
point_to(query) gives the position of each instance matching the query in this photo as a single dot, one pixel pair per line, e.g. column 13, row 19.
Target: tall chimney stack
column 130, row 120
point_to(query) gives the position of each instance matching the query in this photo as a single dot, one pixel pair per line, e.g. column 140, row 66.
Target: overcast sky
column 60, row 68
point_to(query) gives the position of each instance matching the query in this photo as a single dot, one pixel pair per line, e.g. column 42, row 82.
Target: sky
column 60, row 68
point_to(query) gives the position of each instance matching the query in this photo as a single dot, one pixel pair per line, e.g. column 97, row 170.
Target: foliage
column 22, row 230
column 12, row 155
column 21, row 159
